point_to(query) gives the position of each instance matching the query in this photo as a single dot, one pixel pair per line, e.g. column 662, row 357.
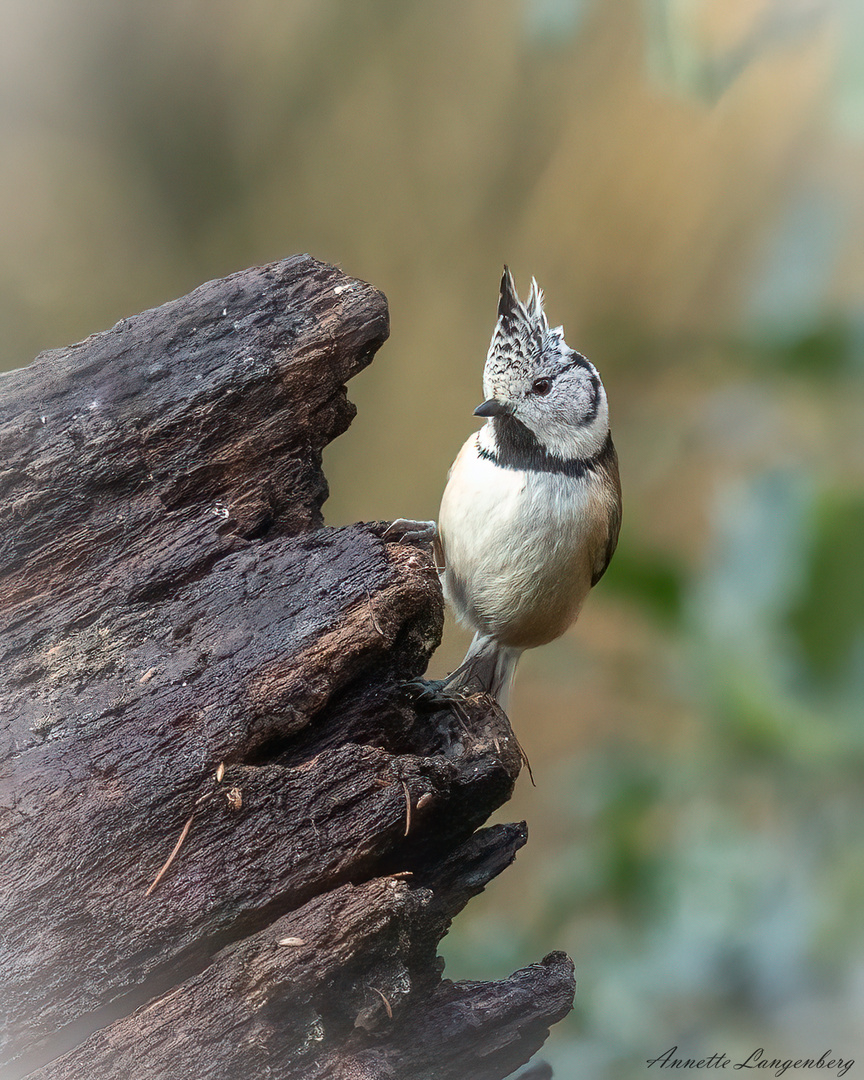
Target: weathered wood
column 357, row 968
column 181, row 642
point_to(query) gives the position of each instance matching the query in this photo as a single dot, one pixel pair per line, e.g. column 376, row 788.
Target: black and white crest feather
column 522, row 333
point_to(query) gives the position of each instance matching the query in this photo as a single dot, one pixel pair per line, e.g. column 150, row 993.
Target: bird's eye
column 541, row 386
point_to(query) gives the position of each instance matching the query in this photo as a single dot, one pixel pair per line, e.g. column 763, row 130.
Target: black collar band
column 517, row 448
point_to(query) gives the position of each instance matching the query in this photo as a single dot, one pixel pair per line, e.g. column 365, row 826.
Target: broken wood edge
column 358, row 938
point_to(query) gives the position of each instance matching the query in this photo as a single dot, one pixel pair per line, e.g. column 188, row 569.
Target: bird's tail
column 487, row 668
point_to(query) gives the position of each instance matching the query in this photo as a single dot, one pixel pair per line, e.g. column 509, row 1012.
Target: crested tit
column 530, row 515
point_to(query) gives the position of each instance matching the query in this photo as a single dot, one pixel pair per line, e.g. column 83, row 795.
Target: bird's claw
column 434, row 695
column 428, row 691
column 407, row 531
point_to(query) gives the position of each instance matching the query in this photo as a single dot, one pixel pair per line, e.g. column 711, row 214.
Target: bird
column 531, row 510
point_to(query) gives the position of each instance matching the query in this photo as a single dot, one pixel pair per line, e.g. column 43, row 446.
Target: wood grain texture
column 182, row 641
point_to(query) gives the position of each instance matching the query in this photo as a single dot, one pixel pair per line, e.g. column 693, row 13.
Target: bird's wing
column 607, row 550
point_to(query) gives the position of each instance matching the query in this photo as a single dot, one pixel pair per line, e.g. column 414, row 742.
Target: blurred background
column 685, row 178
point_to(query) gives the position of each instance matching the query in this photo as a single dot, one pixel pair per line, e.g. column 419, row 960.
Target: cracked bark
column 182, row 639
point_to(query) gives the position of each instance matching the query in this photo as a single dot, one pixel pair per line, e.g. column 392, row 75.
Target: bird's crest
column 522, row 334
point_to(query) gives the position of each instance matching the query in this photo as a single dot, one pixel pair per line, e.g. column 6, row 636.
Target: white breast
column 517, row 548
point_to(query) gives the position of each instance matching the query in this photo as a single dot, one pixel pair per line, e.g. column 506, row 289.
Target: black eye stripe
column 594, row 403
column 578, row 361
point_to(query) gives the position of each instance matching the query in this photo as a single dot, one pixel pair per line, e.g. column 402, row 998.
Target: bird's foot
column 435, row 695
column 407, row 531
column 430, row 693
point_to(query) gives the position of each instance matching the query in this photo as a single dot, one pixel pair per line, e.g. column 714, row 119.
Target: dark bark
column 182, row 641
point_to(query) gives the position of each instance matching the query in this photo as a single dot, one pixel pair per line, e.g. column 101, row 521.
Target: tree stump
column 193, row 665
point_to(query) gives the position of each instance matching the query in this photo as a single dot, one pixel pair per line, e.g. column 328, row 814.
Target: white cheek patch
column 566, row 439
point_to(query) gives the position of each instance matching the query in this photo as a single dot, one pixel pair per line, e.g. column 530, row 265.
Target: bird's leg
column 411, row 532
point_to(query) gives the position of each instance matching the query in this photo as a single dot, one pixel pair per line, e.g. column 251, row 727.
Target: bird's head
column 534, row 379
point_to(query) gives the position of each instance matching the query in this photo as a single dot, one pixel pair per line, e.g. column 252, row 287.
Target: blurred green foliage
column 655, row 581
column 828, row 620
column 685, row 179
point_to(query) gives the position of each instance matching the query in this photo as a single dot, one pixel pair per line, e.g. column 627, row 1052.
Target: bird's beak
column 492, row 407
